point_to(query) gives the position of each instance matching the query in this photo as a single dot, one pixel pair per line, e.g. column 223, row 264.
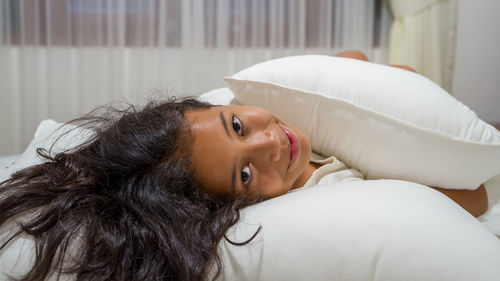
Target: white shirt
column 331, row 171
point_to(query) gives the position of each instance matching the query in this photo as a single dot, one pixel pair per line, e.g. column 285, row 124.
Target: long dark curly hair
column 128, row 195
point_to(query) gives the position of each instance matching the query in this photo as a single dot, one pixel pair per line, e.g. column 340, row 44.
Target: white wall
column 476, row 80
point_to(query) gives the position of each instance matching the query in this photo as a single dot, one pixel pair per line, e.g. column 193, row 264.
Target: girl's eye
column 245, row 175
column 237, row 127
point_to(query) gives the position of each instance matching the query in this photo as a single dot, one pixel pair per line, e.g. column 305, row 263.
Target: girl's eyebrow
column 233, row 176
column 224, row 123
column 233, row 180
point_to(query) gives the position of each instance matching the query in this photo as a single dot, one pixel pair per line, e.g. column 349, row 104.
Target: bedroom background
column 62, row 58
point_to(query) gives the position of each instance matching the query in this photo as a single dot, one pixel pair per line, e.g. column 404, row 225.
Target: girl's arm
column 474, row 201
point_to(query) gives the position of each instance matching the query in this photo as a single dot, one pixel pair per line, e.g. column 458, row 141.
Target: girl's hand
column 354, row 54
column 405, row 67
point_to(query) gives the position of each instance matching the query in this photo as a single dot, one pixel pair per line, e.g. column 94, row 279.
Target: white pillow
column 220, row 96
column 383, row 121
column 361, row 230
column 67, row 136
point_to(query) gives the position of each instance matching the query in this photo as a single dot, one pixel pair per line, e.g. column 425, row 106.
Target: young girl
column 248, row 150
column 152, row 193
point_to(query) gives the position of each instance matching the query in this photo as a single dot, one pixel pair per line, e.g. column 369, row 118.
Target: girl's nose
column 265, row 145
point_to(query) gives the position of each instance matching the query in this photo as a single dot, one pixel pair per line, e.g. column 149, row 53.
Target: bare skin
column 243, row 149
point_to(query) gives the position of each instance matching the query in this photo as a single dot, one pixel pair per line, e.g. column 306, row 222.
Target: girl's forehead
column 213, row 154
column 203, row 117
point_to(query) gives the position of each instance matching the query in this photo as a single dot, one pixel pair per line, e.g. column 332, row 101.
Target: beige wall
column 476, row 80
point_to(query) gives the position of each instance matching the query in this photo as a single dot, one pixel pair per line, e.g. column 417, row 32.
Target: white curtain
column 61, row 58
column 423, row 37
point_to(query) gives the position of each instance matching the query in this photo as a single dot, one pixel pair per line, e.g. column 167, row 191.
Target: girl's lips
column 294, row 145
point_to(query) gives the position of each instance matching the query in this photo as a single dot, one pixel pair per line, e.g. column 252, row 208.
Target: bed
column 249, row 262
column 318, row 234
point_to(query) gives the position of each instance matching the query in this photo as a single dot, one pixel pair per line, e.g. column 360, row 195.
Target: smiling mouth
column 294, row 145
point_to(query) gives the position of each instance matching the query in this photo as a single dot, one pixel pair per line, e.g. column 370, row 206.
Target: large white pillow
column 364, row 230
column 384, row 121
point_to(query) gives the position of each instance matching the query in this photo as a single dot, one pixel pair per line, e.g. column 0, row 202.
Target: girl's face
column 242, row 149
